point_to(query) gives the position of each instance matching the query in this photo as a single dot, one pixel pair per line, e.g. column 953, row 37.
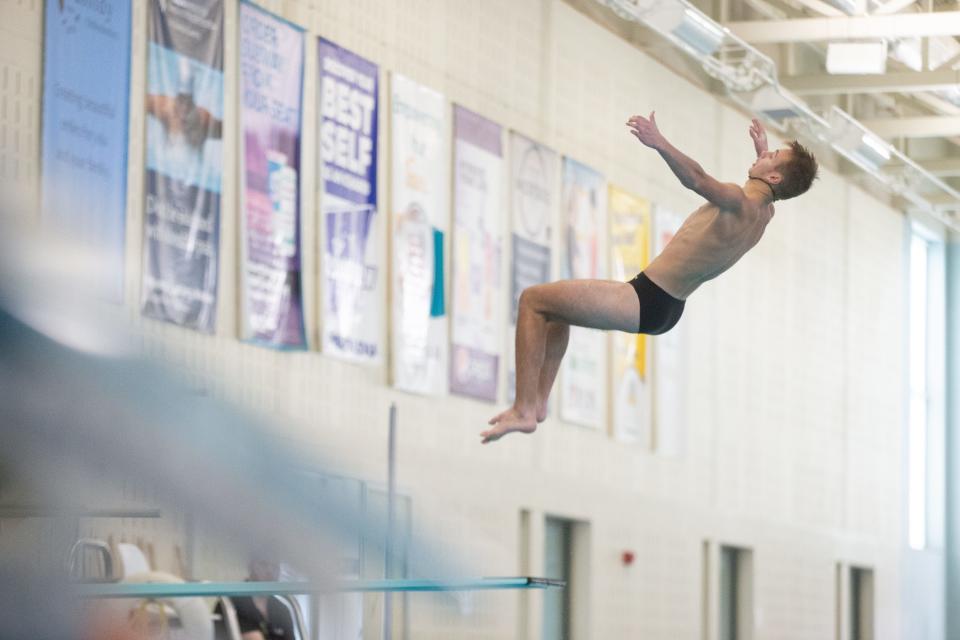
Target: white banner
column 534, row 181
column 419, row 216
column 477, row 241
column 583, row 375
column 668, row 360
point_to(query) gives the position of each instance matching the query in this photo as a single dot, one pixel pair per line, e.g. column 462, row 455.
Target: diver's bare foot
column 542, row 411
column 507, row 422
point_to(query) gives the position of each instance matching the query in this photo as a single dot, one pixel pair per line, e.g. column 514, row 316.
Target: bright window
column 925, row 425
column 917, row 425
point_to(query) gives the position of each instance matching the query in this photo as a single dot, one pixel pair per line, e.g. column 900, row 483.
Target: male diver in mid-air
column 708, row 243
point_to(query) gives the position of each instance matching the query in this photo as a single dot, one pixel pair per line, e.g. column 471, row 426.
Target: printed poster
column 419, row 211
column 184, row 162
column 583, row 373
column 352, row 287
column 477, row 239
column 629, row 254
column 534, row 199
column 86, row 85
column 271, row 85
column 668, row 360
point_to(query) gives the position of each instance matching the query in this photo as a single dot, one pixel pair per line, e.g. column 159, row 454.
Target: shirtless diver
column 708, row 243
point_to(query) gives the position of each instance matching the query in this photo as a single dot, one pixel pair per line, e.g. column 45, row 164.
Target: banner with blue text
column 86, row 84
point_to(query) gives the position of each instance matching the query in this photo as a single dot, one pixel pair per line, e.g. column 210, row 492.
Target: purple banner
column 353, row 305
column 476, row 130
column 477, row 237
column 271, row 86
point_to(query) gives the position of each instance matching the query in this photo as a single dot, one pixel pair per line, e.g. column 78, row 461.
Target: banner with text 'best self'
column 352, row 262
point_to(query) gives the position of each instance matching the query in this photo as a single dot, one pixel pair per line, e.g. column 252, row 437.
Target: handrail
column 297, row 615
column 75, row 557
column 229, row 615
column 42, row 511
column 213, row 589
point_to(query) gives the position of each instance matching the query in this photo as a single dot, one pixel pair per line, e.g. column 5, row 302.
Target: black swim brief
column 659, row 311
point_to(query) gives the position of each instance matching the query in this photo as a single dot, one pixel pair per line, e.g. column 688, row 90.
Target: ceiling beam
column 915, row 127
column 822, row 8
column 895, row 82
column 942, row 23
column 893, row 6
column 947, row 167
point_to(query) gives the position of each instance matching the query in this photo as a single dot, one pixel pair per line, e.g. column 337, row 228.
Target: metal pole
column 391, row 498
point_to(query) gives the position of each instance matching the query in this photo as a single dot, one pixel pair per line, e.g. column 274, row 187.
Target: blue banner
column 184, row 122
column 86, row 86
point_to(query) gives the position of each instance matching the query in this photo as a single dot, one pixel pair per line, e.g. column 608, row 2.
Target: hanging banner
column 669, row 356
column 477, row 239
column 352, row 285
column 584, row 368
column 86, row 85
column 629, row 252
column 534, row 173
column 184, row 160
column 418, row 162
column 271, row 86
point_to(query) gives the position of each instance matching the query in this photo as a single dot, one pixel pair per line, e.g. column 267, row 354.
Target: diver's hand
column 646, row 131
column 759, row 136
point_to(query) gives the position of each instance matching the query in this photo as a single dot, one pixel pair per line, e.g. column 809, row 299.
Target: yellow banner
column 630, row 222
column 630, row 251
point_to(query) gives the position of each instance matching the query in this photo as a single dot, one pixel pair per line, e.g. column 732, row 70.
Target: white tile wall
column 793, row 443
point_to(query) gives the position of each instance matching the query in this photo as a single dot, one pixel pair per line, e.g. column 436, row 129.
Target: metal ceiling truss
column 750, row 79
column 823, row 29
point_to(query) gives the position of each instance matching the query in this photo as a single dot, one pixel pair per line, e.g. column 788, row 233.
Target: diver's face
column 767, row 166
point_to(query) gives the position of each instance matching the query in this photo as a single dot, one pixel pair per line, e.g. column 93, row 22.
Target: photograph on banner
column 534, row 200
column 352, row 264
column 630, row 387
column 583, row 213
column 419, row 161
column 668, row 358
column 271, row 86
column 86, row 89
column 184, row 162
column 477, row 240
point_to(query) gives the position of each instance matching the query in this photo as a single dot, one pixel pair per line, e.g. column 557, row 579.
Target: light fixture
column 849, row 7
column 942, row 50
column 857, row 57
column 700, row 32
column 664, row 17
column 776, row 103
column 876, row 145
column 909, row 51
column 857, row 143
